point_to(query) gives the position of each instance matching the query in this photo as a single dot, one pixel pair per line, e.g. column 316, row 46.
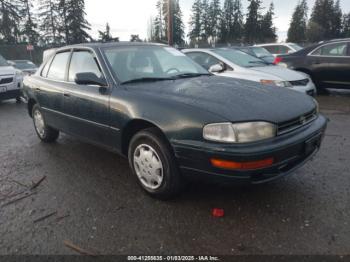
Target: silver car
column 237, row 64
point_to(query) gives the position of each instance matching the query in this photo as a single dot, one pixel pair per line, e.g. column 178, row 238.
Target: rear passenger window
column 338, row 49
column 58, row 66
column 83, row 62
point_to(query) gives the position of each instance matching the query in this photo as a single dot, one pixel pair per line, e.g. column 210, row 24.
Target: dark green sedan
column 170, row 117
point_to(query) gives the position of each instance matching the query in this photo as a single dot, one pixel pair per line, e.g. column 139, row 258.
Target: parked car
column 26, row 66
column 10, row 81
column 281, row 49
column 258, row 52
column 328, row 63
column 170, row 117
column 240, row 65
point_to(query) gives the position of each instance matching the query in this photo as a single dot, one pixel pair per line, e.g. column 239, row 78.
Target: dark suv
column 328, row 63
column 170, row 117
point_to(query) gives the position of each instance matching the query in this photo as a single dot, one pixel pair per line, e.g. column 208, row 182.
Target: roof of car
column 269, row 44
column 110, row 44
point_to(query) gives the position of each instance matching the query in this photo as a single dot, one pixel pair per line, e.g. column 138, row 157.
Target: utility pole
column 170, row 24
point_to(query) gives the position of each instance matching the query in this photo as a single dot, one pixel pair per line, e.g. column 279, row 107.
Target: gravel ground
column 94, row 202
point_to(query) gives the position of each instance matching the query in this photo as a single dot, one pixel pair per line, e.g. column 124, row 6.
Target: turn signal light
column 224, row 164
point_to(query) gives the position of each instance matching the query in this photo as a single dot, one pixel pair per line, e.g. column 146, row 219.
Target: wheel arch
column 31, row 103
column 132, row 128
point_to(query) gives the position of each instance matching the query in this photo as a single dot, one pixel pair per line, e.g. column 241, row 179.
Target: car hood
column 234, row 100
column 280, row 72
column 7, row 70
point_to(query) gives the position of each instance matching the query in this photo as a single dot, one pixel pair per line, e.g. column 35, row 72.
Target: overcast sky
column 128, row 17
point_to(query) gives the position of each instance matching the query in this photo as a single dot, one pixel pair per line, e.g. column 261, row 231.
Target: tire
column 154, row 166
column 45, row 133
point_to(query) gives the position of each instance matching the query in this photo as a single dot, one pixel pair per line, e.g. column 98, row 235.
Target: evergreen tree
column 346, row 25
column 135, row 38
column 159, row 22
column 30, row 26
column 106, row 36
column 237, row 28
column 196, row 21
column 76, row 24
column 267, row 29
column 232, row 22
column 179, row 31
column 49, row 14
column 298, row 24
column 10, row 20
column 252, row 26
column 326, row 17
column 336, row 27
column 205, row 20
column 178, row 25
column 214, row 19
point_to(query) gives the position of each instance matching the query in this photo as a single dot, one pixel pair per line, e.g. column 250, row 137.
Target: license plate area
column 3, row 89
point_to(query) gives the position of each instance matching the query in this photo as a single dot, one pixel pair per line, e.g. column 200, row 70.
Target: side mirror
column 89, row 79
column 218, row 68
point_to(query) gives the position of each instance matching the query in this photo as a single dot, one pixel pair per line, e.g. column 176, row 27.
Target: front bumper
column 290, row 151
column 10, row 94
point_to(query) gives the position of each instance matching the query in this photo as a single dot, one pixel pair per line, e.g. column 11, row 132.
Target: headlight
column 239, row 133
column 276, row 83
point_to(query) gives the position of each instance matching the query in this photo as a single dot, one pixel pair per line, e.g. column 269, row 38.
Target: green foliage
column 10, row 18
column 106, row 36
column 326, row 18
column 298, row 25
column 346, row 26
column 252, row 26
column 159, row 30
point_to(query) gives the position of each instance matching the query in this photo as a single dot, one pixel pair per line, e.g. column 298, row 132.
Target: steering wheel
column 172, row 69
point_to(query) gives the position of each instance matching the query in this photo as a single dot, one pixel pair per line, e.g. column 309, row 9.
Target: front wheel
column 154, row 165
column 45, row 133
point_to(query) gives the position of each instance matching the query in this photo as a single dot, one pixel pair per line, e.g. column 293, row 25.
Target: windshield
column 131, row 63
column 296, row 47
column 261, row 52
column 240, row 58
column 22, row 65
column 3, row 61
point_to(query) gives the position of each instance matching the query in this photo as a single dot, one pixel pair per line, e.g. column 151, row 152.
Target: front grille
column 7, row 80
column 303, row 82
column 296, row 123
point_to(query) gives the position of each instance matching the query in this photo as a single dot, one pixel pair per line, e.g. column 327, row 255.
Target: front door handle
column 66, row 95
column 38, row 89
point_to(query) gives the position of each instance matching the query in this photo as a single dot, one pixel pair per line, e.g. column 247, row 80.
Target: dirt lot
column 94, row 203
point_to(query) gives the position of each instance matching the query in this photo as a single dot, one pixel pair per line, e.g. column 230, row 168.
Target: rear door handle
column 66, row 95
column 38, row 89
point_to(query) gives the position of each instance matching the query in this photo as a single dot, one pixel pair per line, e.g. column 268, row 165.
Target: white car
column 281, row 48
column 237, row 64
column 11, row 81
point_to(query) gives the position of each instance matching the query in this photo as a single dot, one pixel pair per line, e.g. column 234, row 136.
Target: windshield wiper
column 188, row 75
column 147, row 79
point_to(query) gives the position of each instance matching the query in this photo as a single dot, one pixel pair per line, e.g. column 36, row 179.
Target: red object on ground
column 218, row 212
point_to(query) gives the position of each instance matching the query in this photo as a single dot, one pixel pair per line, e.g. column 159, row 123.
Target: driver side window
column 83, row 62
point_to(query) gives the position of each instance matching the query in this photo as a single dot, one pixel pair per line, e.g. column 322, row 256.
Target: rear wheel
column 154, row 165
column 45, row 133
